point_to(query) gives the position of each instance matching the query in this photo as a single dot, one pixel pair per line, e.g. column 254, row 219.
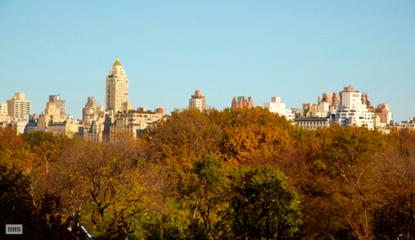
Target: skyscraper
column 3, row 109
column 116, row 88
column 352, row 111
column 197, row 101
column 93, row 117
column 4, row 113
column 55, row 107
column 92, row 111
column 18, row 107
column 384, row 112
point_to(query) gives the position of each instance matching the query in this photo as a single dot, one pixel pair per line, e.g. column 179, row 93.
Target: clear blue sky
column 292, row 49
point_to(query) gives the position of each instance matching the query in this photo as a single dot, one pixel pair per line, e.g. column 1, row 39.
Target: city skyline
column 292, row 50
column 117, row 68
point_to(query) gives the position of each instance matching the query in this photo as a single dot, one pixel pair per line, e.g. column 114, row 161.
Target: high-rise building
column 365, row 100
column 116, row 88
column 4, row 114
column 132, row 123
column 335, row 101
column 69, row 127
column 197, row 101
column 92, row 111
column 325, row 107
column 351, row 99
column 384, row 112
column 242, row 102
column 352, row 110
column 327, row 97
column 93, row 117
column 18, row 107
column 54, row 120
column 55, row 107
column 3, row 109
column 277, row 106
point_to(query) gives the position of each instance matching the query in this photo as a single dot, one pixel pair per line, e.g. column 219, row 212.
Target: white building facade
column 277, row 106
column 352, row 111
column 197, row 101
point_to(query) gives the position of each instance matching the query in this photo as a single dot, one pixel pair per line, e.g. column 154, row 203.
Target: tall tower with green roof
column 116, row 88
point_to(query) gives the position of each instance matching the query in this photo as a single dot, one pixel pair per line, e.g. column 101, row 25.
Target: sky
column 292, row 49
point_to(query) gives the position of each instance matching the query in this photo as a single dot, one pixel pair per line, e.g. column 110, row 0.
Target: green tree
column 46, row 148
column 204, row 189
column 263, row 205
column 16, row 205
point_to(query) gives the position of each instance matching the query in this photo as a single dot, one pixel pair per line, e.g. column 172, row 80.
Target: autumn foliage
column 244, row 174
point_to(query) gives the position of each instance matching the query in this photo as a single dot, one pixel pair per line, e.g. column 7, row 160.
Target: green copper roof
column 239, row 98
column 117, row 62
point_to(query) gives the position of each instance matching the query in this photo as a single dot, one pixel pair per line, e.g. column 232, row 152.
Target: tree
column 46, row 148
column 14, row 150
column 345, row 182
column 203, row 190
column 180, row 145
column 16, row 205
column 263, row 205
column 104, row 184
column 395, row 218
column 251, row 135
column 182, row 139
